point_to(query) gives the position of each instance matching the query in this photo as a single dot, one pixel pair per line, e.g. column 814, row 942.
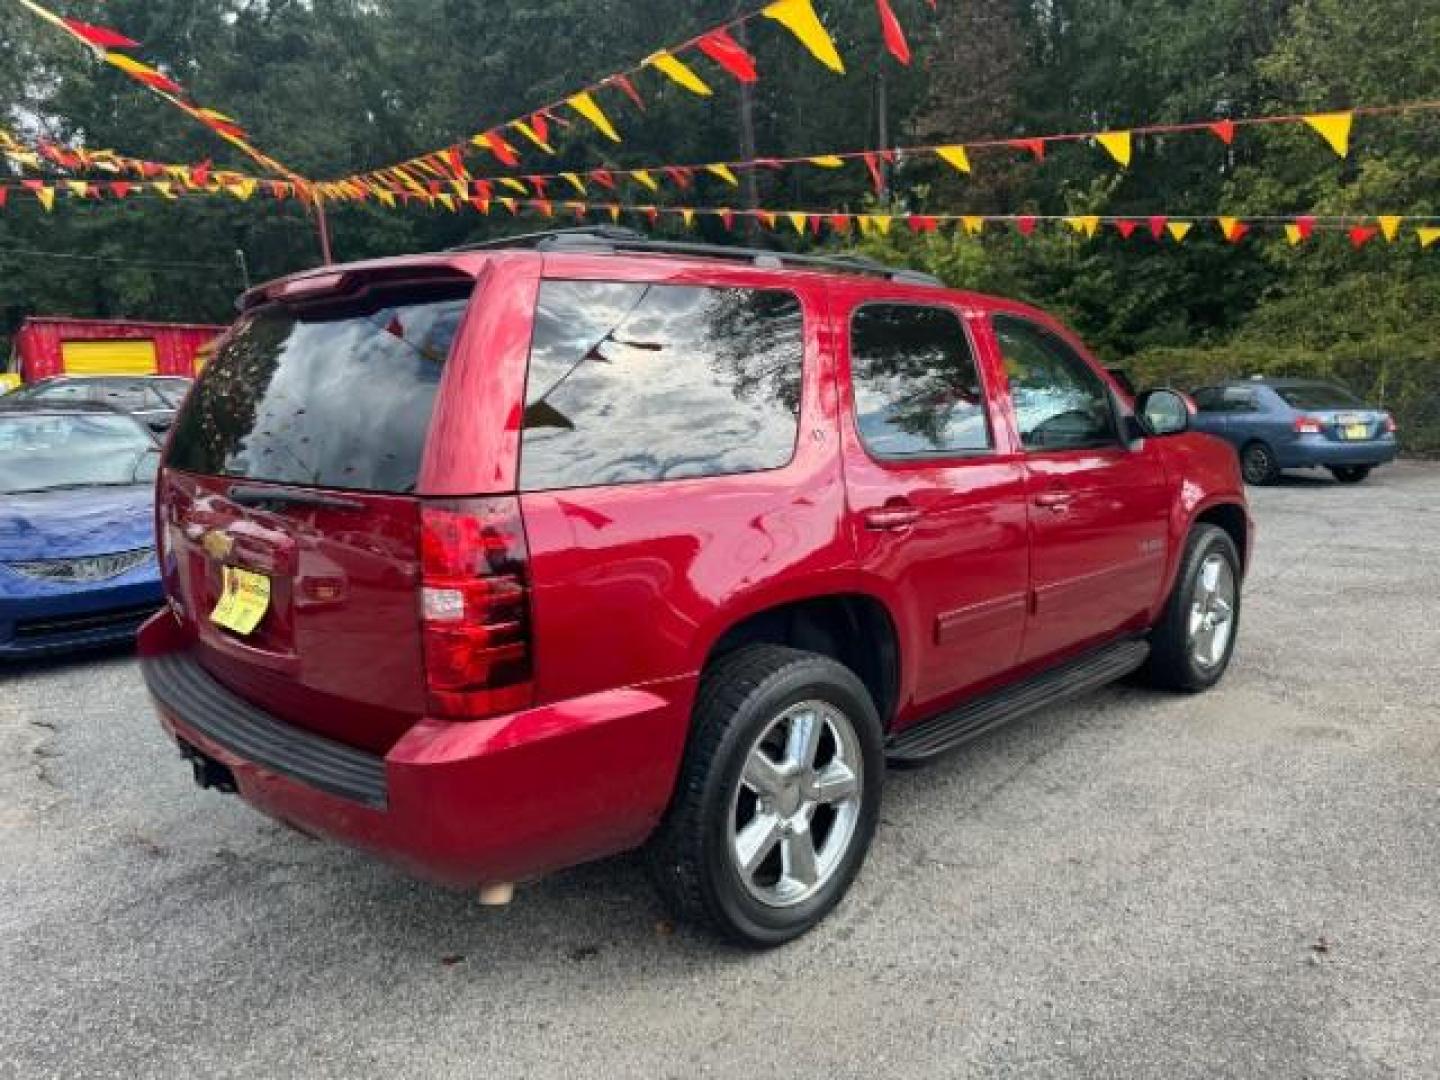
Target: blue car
column 77, row 527
column 1277, row 424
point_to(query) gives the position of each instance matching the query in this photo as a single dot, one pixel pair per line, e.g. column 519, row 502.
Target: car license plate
column 244, row 599
column 1357, row 431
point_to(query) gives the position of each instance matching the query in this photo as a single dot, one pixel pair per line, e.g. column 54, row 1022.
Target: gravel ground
column 1245, row 883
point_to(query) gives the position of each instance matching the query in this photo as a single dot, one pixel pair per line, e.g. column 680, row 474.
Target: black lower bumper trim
column 180, row 684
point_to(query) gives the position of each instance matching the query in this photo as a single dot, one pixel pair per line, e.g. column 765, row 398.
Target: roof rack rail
column 611, row 238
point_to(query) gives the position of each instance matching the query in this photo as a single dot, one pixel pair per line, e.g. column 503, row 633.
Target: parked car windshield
column 47, row 452
column 1319, row 396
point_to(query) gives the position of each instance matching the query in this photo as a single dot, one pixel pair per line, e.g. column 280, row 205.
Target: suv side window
column 1061, row 403
column 130, row 395
column 633, row 382
column 917, row 390
column 1208, row 399
column 1239, row 399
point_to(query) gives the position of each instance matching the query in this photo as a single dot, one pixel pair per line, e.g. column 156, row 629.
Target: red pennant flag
column 653, row 214
column 719, row 46
column 894, row 35
column 1157, row 226
column 4, row 194
column 502, row 150
column 1238, row 232
column 727, row 218
column 813, row 220
column 1126, row 228
column 1361, row 235
column 539, row 184
column 120, row 188
column 279, row 189
column 433, row 187
column 840, row 223
column 541, row 126
column 200, row 174
column 482, row 205
column 680, row 175
column 456, row 162
column 101, row 37
column 603, row 178
column 624, row 83
column 922, row 223
column 579, row 209
column 1305, row 226
column 1025, row 224
column 1034, row 146
column 1224, row 130
column 766, row 218
column 545, row 207
column 481, row 189
column 877, row 176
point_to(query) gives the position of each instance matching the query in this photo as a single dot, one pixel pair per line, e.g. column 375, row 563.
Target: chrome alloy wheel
column 794, row 812
column 1212, row 611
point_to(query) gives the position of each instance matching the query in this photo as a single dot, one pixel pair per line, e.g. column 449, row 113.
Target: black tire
column 689, row 856
column 1350, row 474
column 1172, row 664
column 1258, row 464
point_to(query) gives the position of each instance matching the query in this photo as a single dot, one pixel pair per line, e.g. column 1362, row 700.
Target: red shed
column 59, row 346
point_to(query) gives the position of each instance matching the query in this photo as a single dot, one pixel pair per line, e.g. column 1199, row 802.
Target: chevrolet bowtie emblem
column 217, row 545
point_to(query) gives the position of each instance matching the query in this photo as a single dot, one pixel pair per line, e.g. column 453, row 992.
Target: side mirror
column 1163, row 412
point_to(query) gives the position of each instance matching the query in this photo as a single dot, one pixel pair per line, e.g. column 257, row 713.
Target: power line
column 156, row 263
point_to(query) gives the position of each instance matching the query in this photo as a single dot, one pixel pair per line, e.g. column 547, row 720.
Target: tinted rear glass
column 1318, row 396
column 326, row 397
column 634, row 382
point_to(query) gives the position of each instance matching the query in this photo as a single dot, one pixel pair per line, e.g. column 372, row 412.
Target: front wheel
column 1350, row 474
column 777, row 799
column 1191, row 645
column 1258, row 464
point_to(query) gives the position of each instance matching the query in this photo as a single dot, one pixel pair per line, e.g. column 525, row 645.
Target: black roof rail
column 603, row 239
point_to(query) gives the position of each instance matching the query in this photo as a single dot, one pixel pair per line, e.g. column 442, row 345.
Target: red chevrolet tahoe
column 501, row 559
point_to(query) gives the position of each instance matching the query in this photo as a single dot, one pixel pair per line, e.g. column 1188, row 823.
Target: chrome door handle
column 1053, row 500
column 886, row 518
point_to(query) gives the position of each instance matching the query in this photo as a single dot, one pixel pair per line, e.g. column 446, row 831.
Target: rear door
column 1098, row 510
column 935, row 492
column 295, row 463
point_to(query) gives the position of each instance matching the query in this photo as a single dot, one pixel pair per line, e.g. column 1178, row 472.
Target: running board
column 948, row 730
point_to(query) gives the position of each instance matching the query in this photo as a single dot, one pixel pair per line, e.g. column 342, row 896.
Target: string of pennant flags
column 432, row 176
column 1360, row 229
column 677, row 63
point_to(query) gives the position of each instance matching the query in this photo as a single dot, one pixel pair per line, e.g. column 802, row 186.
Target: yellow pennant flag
column 827, row 161
column 881, row 223
column 1089, row 224
column 585, row 105
column 78, row 188
column 1118, row 144
column 1294, row 235
column 242, row 189
column 954, row 156
column 862, row 222
column 575, row 182
column 1178, row 230
column 533, row 135
column 1427, row 236
column 614, row 212
column 385, row 196
column 447, row 201
column 1335, row 128
column 508, row 202
column 164, row 187
column 1228, row 225
column 676, row 70
column 45, row 193
column 798, row 16
column 973, row 225
column 688, row 216
column 643, row 177
column 1389, row 226
column 724, row 173
column 514, row 185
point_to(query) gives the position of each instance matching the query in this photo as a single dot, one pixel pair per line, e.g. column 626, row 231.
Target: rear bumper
column 1318, row 451
column 58, row 620
column 463, row 804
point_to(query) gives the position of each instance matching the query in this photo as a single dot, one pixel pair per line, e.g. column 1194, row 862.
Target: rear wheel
column 1350, row 474
column 1191, row 645
column 1258, row 464
column 777, row 798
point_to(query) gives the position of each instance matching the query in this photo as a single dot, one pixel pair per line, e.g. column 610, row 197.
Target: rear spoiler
column 352, row 281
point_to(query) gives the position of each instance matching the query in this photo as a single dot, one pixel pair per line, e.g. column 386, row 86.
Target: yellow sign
column 243, row 601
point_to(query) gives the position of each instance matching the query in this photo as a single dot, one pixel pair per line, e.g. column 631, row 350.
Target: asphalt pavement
column 1240, row 884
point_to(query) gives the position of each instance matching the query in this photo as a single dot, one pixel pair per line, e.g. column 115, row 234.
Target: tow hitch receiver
column 208, row 772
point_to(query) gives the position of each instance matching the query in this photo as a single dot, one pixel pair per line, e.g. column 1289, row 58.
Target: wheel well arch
column 853, row 629
column 1232, row 518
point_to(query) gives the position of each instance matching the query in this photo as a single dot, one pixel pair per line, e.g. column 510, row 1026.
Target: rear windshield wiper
column 247, row 495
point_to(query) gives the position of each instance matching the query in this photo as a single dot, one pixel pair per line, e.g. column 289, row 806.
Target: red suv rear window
column 337, row 394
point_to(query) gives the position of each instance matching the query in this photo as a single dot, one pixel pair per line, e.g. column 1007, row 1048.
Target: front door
column 935, row 494
column 1099, row 509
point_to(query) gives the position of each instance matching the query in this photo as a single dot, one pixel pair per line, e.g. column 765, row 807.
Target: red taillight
column 475, row 607
column 1307, row 425
column 1388, row 424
